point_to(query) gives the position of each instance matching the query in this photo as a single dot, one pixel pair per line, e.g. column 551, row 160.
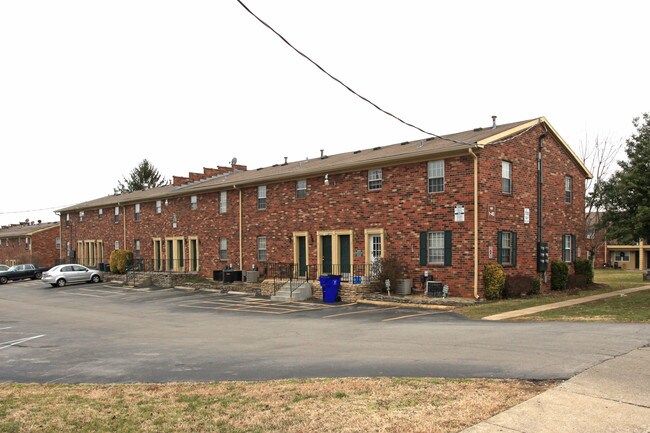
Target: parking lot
column 105, row 333
column 238, row 303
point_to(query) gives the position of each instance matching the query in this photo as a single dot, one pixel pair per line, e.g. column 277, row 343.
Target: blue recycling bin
column 330, row 285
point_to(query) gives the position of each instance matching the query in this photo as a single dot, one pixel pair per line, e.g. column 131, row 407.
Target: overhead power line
column 352, row 90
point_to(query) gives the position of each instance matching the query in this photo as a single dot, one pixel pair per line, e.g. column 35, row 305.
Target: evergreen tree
column 626, row 195
column 144, row 176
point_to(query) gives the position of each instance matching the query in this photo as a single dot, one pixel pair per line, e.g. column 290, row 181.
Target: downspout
column 540, row 145
column 241, row 236
column 476, row 252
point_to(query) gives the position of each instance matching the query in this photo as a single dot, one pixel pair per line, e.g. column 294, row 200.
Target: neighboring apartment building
column 611, row 253
column 445, row 205
column 30, row 242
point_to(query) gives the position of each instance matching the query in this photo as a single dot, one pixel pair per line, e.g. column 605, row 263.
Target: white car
column 63, row 274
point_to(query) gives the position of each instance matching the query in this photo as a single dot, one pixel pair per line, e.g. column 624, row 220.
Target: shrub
column 517, row 286
column 537, row 287
column 585, row 268
column 493, row 280
column 559, row 275
column 392, row 269
column 120, row 259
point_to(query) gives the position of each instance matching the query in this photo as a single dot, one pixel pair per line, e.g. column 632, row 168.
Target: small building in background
column 30, row 242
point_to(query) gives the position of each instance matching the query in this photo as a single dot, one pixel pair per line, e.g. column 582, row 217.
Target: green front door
column 326, row 252
column 302, row 256
column 344, row 253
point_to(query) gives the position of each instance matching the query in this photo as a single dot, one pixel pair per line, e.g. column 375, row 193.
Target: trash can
column 217, row 275
column 330, row 285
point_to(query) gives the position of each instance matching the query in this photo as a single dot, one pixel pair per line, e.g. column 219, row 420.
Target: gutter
column 241, row 235
column 476, row 252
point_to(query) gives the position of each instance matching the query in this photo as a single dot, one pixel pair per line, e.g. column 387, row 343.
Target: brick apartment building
column 446, row 205
column 30, row 242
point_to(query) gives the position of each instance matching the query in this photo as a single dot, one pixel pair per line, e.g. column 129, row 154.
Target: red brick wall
column 558, row 217
column 403, row 208
column 42, row 248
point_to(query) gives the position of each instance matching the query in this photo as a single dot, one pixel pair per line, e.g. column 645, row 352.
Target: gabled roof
column 26, row 229
column 418, row 150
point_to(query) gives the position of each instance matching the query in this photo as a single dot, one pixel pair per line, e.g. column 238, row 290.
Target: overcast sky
column 88, row 88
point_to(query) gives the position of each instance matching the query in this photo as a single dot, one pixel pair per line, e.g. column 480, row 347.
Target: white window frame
column 261, row 197
column 223, row 249
column 436, row 170
column 194, row 202
column 301, row 188
column 57, row 243
column 100, row 214
column 436, row 247
column 136, row 212
column 81, row 216
column 117, row 245
column 158, row 207
column 375, row 179
column 568, row 189
column 262, row 253
column 506, row 248
column 506, row 176
column 567, row 248
column 223, row 201
column 117, row 215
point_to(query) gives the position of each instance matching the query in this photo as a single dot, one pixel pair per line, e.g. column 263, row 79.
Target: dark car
column 21, row 272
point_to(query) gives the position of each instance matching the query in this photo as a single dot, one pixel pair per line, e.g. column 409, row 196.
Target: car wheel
column 38, row 275
column 3, row 280
column 60, row 282
column 94, row 279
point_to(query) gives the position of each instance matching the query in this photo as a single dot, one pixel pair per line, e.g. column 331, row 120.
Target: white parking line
column 10, row 343
column 410, row 315
column 6, row 327
column 374, row 310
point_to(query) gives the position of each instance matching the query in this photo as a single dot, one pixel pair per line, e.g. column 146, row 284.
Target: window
column 117, row 216
column 100, row 214
column 117, row 245
column 223, row 201
column 301, row 188
column 506, row 177
column 261, row 248
column 261, row 197
column 67, row 219
column 568, row 248
column 622, row 256
column 136, row 248
column 507, row 248
column 193, row 202
column 57, row 243
column 158, row 207
column 223, row 249
column 81, row 216
column 568, row 189
column 374, row 179
column 435, row 248
column 436, row 176
column 136, row 212
column 26, row 243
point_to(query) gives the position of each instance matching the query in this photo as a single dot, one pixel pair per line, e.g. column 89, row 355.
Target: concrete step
column 300, row 293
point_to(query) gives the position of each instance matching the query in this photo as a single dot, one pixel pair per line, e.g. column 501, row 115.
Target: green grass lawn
column 607, row 279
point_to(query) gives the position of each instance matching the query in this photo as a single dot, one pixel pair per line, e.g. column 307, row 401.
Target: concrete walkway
column 540, row 308
column 613, row 396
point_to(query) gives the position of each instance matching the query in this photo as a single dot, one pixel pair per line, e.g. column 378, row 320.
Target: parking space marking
column 374, row 310
column 249, row 310
column 6, row 327
column 411, row 315
column 10, row 343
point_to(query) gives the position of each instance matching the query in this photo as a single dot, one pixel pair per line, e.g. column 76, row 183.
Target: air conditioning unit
column 435, row 289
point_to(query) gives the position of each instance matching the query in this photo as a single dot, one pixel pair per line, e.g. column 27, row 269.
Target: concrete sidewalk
column 539, row 308
column 613, row 396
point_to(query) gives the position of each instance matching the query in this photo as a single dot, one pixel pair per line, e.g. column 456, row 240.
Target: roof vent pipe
column 322, row 153
column 494, row 122
column 285, row 160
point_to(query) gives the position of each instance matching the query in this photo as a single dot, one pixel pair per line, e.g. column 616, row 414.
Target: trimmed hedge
column 120, row 259
column 559, row 275
column 493, row 280
column 517, row 286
